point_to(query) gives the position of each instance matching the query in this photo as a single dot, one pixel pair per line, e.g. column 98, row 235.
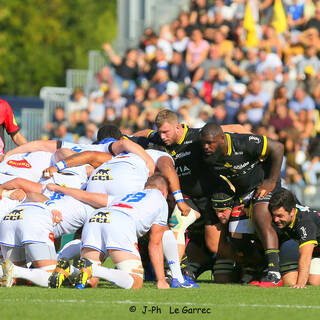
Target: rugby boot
column 85, row 273
column 271, row 280
column 60, row 274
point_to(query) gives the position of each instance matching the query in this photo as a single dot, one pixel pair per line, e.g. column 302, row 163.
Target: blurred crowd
column 251, row 62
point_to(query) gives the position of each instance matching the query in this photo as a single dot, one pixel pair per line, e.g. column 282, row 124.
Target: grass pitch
column 210, row 301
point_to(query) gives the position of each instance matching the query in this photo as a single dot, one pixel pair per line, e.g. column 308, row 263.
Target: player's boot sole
column 60, row 273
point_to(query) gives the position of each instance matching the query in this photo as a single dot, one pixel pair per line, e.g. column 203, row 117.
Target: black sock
column 272, row 256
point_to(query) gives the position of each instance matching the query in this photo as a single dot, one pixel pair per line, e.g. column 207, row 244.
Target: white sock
column 119, row 277
column 37, row 276
column 170, row 251
column 70, row 250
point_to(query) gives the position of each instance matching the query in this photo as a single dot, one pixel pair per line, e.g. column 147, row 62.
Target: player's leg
column 269, row 239
column 43, row 259
column 128, row 275
column 289, row 257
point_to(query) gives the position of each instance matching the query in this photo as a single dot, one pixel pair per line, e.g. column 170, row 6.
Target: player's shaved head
column 166, row 116
column 211, row 129
column 157, row 181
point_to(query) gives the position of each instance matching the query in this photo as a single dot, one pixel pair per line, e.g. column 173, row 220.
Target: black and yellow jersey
column 195, row 178
column 305, row 227
column 243, row 163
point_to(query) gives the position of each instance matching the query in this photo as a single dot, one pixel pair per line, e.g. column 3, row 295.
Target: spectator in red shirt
column 8, row 122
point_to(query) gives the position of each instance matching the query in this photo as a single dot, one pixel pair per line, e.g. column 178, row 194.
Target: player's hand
column 18, row 194
column 48, row 173
column 264, row 188
column 184, row 208
column 298, row 286
column 56, row 216
column 107, row 47
column 162, row 284
column 54, row 187
column 151, row 166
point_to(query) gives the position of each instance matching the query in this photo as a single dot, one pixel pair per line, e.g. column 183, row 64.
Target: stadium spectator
column 96, row 106
column 58, row 118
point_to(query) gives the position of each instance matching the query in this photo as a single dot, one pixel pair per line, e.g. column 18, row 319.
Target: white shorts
column 315, row 266
column 30, row 252
column 289, row 256
column 27, row 223
column 117, row 179
column 117, row 234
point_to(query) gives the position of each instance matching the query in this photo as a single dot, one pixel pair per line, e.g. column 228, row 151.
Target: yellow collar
column 294, row 220
column 184, row 133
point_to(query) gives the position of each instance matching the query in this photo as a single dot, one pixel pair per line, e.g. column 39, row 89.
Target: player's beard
column 215, row 156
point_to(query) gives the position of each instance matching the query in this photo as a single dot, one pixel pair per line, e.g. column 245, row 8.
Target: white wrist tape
column 61, row 165
column 178, row 196
column 7, row 193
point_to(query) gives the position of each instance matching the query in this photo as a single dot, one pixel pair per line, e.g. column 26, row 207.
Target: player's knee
column 135, row 269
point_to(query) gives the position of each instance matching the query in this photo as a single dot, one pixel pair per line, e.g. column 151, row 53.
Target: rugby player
column 303, row 225
column 243, row 159
column 113, row 232
column 237, row 214
column 197, row 183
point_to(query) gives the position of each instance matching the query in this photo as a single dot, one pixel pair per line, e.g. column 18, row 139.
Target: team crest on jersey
column 14, row 215
column 101, row 217
column 51, row 236
column 102, row 174
column 19, row 164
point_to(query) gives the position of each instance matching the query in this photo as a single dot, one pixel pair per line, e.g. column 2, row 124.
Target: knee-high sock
column 70, row 250
column 170, row 251
column 37, row 276
column 118, row 277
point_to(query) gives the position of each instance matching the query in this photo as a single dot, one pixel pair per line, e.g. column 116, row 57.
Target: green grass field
column 108, row 302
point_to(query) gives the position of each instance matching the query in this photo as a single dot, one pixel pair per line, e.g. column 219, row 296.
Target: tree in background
column 40, row 39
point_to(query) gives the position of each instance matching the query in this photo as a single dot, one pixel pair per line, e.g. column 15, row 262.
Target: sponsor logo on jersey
column 228, row 165
column 102, row 174
column 14, row 215
column 304, row 233
column 183, row 154
column 183, row 171
column 255, row 139
column 101, row 217
column 241, row 166
column 19, row 164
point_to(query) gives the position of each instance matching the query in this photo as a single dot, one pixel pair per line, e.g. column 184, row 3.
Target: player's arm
column 18, row 138
column 20, row 183
column 126, row 145
column 165, row 166
column 32, row 146
column 237, row 128
column 305, row 256
column 274, row 151
column 143, row 133
column 94, row 158
column 96, row 200
column 156, row 254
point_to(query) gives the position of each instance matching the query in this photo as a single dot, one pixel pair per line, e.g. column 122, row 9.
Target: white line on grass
column 241, row 305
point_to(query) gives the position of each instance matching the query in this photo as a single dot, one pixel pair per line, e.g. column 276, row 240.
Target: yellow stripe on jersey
column 265, row 143
column 148, row 135
column 294, row 220
column 308, row 242
column 229, row 144
column 184, row 134
column 228, row 182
